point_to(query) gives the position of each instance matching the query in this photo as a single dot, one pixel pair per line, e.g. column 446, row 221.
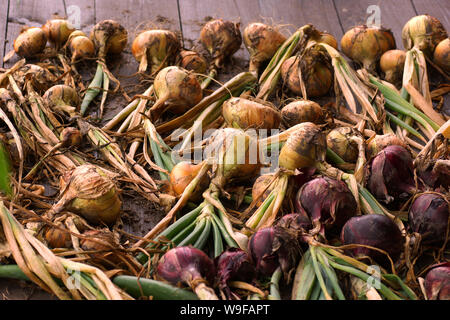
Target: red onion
column 272, row 247
column 437, row 282
column 328, row 202
column 190, row 266
column 428, row 216
column 373, row 230
column 391, row 174
column 233, row 264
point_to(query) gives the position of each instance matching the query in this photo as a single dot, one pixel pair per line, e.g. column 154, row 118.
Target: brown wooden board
column 3, row 24
column 393, row 14
column 439, row 9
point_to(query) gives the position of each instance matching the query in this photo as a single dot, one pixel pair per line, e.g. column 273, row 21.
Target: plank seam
column 414, row 7
column 180, row 22
column 6, row 33
column 338, row 16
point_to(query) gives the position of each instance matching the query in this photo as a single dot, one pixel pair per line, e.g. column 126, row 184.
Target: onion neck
column 204, row 292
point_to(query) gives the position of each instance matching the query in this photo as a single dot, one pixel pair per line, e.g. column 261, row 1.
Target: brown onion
column 243, row 113
column 302, row 111
column 80, row 46
column 57, row 238
column 423, row 32
column 193, row 61
column 392, row 63
column 58, row 31
column 441, row 55
column 261, row 41
column 365, row 45
column 30, row 42
column 339, row 140
column 316, row 71
column 109, row 37
column 182, row 174
column 327, row 38
column 157, row 48
column 221, row 39
column 62, row 98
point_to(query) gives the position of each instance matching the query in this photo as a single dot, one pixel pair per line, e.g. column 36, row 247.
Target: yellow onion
column 176, row 89
column 379, row 142
column 423, row 32
column 80, row 46
column 40, row 78
column 89, row 192
column 304, row 148
column 182, row 174
column 392, row 63
column 327, row 38
column 156, row 48
column 302, row 111
column 30, row 42
column 242, row 113
column 57, row 238
column 339, row 140
column 441, row 55
column 365, row 45
column 261, row 41
column 62, row 98
column 58, row 31
column 221, row 39
column 109, row 37
column 316, row 71
column 192, row 61
column 261, row 186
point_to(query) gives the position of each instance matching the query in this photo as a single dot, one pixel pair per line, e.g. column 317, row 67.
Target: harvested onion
column 302, row 111
column 437, row 282
column 62, row 98
column 192, row 61
column 58, row 31
column 340, row 141
column 243, row 113
column 80, row 46
column 441, row 55
column 109, row 37
column 379, row 142
column 392, row 63
column 365, row 45
column 157, row 48
column 182, row 174
column 30, row 42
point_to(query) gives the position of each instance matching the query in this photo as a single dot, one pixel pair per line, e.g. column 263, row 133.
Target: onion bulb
column 261, row 41
column 365, row 45
column 327, row 38
column 423, row 32
column 437, row 282
column 190, row 266
column 58, row 31
column 261, row 187
column 80, row 46
column 379, row 142
column 304, row 147
column 316, row 72
column 109, row 37
column 157, row 48
column 392, row 63
column 30, row 42
column 40, row 78
column 429, row 216
column 57, row 238
column 242, row 113
column 302, row 111
column 339, row 140
column 62, row 98
column 89, row 192
column 176, row 89
column 221, row 39
column 441, row 55
column 373, row 230
column 192, row 61
column 182, row 174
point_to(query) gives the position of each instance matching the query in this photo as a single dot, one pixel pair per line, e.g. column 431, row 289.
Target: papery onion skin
column 193, row 61
column 429, row 216
column 58, row 31
column 423, row 32
column 260, row 184
column 329, row 203
column 436, row 175
column 57, row 238
column 392, row 63
column 61, row 94
column 186, row 264
column 373, row 230
column 221, row 39
column 245, row 114
column 261, row 41
column 181, row 87
column 159, row 46
column 182, row 174
column 304, row 148
column 441, row 55
column 339, row 140
column 390, row 174
column 365, row 45
column 302, row 111
column 80, row 46
column 437, row 282
column 30, row 42
column 327, row 38
column 379, row 142
column 317, row 74
column 109, row 37
column 70, row 137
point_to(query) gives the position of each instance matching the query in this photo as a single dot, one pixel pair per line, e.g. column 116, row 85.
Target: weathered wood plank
column 393, row 14
column 84, row 10
column 3, row 25
column 439, row 9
